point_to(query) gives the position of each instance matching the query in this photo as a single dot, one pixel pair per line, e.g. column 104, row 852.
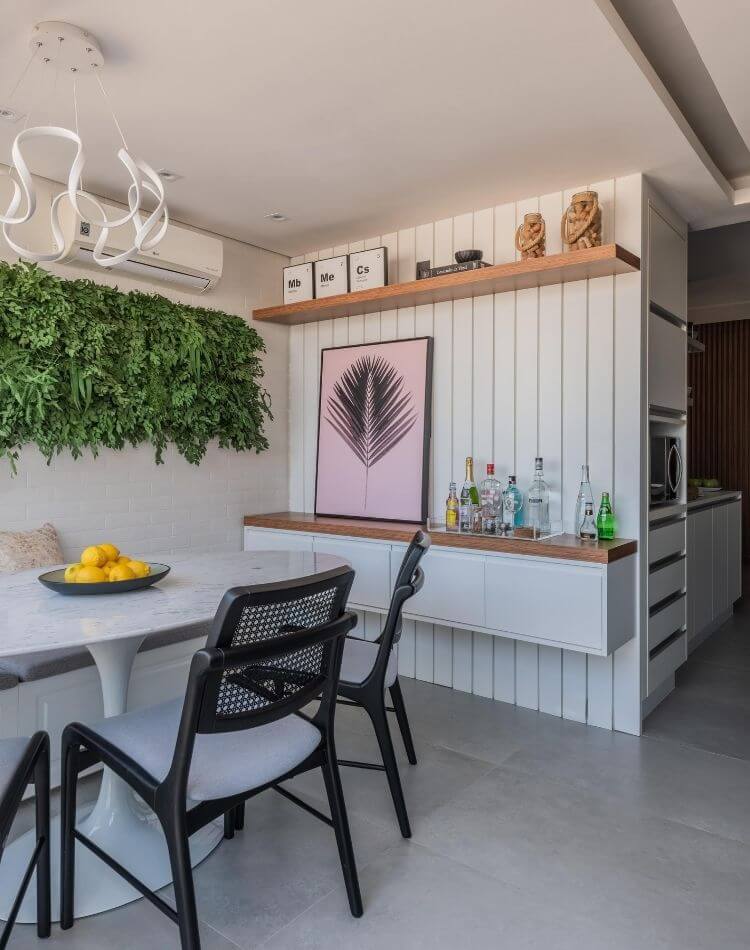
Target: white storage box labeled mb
column 368, row 269
column 331, row 276
column 298, row 283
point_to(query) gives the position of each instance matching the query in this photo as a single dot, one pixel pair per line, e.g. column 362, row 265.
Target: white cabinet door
column 371, row 562
column 453, row 589
column 734, row 551
column 667, row 364
column 691, row 579
column 701, row 573
column 667, row 266
column 546, row 601
column 260, row 539
column 720, row 550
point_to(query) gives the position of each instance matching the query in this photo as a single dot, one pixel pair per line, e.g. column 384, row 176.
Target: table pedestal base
column 120, row 824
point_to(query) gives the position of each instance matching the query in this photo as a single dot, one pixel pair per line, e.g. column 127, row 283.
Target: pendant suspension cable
column 20, row 79
column 109, row 104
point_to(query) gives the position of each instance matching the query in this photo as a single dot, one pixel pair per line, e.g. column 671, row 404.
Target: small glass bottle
column 537, row 499
column 491, row 498
column 587, row 531
column 585, row 497
column 512, row 504
column 451, row 509
column 605, row 520
column 469, row 498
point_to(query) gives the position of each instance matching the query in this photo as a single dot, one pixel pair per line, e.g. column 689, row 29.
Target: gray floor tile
column 585, row 852
column 418, row 900
column 729, row 646
column 138, row 926
column 284, row 861
column 702, row 723
column 439, row 775
column 648, row 776
column 715, row 683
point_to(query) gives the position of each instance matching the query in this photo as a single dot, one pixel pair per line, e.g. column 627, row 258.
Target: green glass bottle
column 605, row 520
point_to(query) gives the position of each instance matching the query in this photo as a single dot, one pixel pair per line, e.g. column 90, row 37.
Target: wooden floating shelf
column 605, row 261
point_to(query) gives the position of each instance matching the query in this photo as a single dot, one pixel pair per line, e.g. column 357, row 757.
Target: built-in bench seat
column 30, row 667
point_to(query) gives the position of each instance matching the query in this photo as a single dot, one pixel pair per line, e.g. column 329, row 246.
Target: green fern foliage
column 84, row 366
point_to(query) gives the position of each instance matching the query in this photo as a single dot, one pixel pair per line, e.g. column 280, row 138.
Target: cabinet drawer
column 453, row 588
column 666, row 581
column 666, row 621
column 259, row 539
column 666, row 541
column 371, row 563
column 545, row 601
column 667, row 661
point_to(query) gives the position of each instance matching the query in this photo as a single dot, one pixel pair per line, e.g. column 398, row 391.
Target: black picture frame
column 426, row 436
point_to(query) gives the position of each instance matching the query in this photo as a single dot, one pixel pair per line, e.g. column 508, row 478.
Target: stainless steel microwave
column 666, row 469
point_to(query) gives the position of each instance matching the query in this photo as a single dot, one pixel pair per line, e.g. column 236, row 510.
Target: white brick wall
column 124, row 497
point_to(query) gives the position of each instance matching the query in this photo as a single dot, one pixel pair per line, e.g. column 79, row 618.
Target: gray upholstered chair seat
column 223, row 764
column 29, row 667
column 12, row 752
column 359, row 659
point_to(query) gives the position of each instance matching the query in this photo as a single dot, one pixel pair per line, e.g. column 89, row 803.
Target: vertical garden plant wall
column 84, row 366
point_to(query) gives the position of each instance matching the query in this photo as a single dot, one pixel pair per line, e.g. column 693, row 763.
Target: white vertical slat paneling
column 548, row 372
column 443, row 656
column 296, row 419
column 373, row 625
column 527, row 675
column 311, row 364
column 484, row 233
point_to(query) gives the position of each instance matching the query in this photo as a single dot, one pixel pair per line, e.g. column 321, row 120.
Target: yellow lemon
column 90, row 574
column 139, row 568
column 94, row 557
column 110, row 550
column 121, row 572
column 124, row 559
column 70, row 572
column 108, row 567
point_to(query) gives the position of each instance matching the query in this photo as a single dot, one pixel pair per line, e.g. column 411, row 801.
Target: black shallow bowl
column 463, row 257
column 55, row 580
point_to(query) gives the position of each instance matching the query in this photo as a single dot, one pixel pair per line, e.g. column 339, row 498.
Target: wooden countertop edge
column 564, row 547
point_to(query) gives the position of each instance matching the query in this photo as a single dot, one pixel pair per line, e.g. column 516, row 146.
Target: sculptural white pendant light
column 72, row 51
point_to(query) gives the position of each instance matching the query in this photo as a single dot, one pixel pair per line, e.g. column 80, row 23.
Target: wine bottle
column 469, row 498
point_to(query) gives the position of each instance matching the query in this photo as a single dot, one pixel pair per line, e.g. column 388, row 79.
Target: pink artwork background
column 394, row 489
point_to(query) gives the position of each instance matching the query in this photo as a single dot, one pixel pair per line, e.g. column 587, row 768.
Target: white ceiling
column 357, row 118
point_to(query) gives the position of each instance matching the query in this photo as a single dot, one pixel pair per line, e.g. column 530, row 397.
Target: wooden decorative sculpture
column 530, row 236
column 582, row 222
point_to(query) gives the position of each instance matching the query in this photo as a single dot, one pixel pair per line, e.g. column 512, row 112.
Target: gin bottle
column 537, row 500
column 469, row 498
column 491, row 498
column 451, row 509
column 605, row 520
column 585, row 497
column 587, row 530
column 512, row 503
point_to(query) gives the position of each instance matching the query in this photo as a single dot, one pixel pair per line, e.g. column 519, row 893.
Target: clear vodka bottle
column 537, row 500
column 585, row 497
column 491, row 500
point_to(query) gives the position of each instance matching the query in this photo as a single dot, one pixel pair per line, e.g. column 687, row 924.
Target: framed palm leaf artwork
column 374, row 430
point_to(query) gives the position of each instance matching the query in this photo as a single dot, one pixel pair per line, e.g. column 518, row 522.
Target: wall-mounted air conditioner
column 183, row 257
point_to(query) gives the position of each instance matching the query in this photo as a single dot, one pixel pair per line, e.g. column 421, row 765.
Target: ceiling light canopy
column 73, row 51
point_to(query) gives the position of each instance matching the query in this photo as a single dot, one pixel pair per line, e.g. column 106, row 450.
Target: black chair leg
column 69, row 783
column 229, row 824
column 184, row 890
column 403, row 721
column 382, row 732
column 337, row 805
column 239, row 817
column 43, row 888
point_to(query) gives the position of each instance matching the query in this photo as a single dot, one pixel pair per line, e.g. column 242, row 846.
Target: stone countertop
column 714, row 498
column 33, row 618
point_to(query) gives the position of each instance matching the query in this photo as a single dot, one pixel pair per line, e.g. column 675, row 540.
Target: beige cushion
column 23, row 550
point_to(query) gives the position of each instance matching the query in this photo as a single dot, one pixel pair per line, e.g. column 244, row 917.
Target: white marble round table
column 112, row 628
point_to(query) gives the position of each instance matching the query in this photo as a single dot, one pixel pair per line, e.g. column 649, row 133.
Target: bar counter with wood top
column 559, row 591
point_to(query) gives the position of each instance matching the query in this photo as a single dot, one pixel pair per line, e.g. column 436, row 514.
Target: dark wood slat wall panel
column 719, row 420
